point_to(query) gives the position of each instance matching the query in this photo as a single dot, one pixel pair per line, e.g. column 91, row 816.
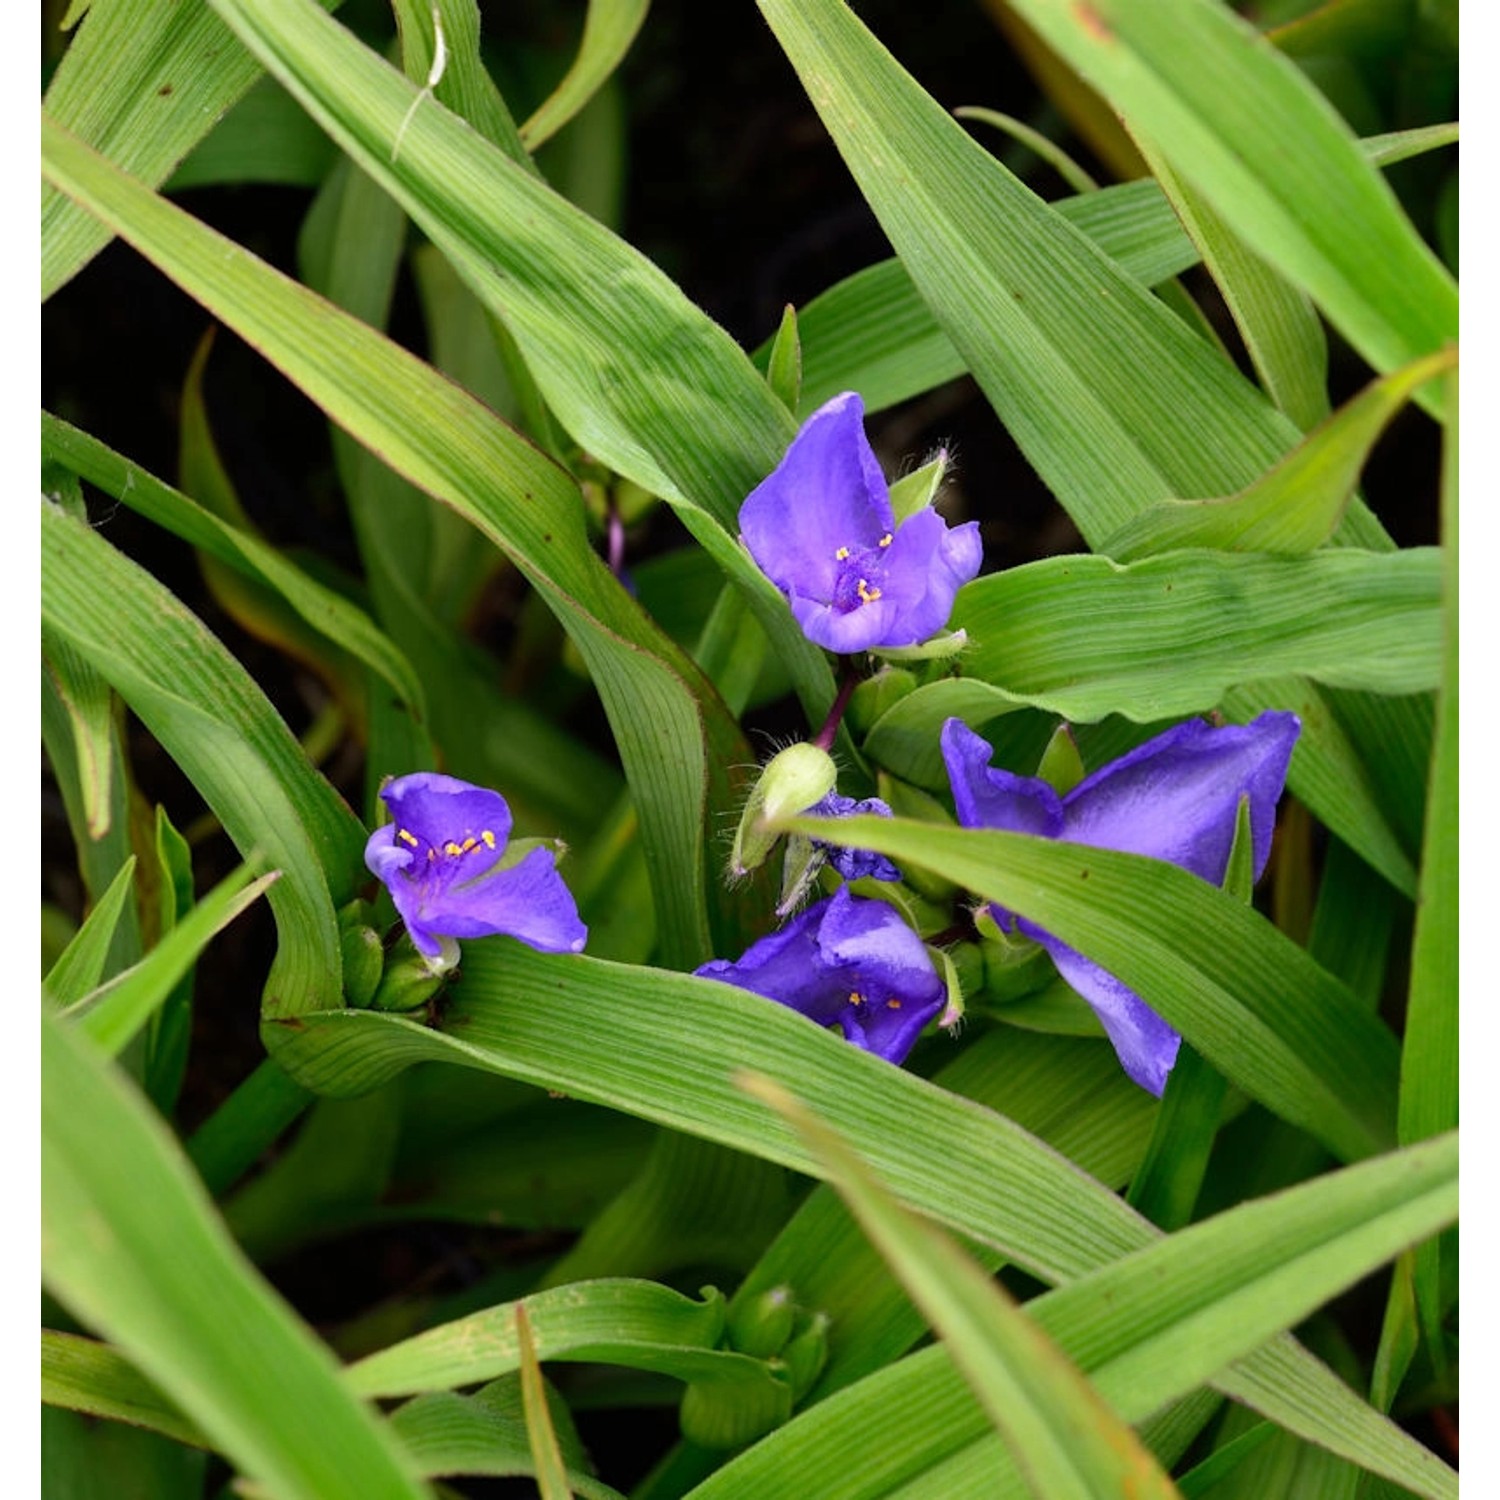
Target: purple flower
column 1174, row 798
column 853, row 863
column 821, row 528
column 846, row 962
column 439, row 859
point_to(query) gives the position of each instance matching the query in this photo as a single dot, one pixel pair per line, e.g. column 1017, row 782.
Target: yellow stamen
column 855, row 998
column 893, row 1005
column 431, row 855
column 867, row 595
column 451, row 848
column 406, row 838
column 489, row 839
column 469, row 844
column 842, row 553
column 886, row 540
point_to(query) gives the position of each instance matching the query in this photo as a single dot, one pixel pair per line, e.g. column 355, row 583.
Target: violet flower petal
column 849, row 962
column 438, row 861
column 987, row 796
column 853, row 864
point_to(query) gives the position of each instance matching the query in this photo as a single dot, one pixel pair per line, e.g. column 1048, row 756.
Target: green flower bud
column 792, row 781
column 762, row 1325
column 410, row 982
column 806, row 1353
column 364, row 959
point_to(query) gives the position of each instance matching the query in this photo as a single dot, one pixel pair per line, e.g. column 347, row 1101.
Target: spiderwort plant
column 848, row 962
column 441, row 858
column 821, row 527
column 1175, row 798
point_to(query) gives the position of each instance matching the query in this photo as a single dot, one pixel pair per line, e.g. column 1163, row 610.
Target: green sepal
column 800, row 866
column 411, row 980
column 917, row 490
column 939, row 648
column 962, row 969
column 806, row 1353
column 784, row 369
column 1061, row 766
column 1014, row 966
column 364, row 963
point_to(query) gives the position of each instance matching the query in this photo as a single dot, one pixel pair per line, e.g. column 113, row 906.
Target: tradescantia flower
column 440, row 858
column 853, row 863
column 845, row 962
column 1174, row 798
column 821, row 528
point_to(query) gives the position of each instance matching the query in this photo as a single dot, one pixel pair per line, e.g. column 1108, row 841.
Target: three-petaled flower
column 853, row 864
column 821, row 528
column 1175, row 798
column 440, row 858
column 846, row 962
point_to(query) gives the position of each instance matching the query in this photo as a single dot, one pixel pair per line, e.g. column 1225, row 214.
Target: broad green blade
column 112, row 1016
column 873, row 333
column 1246, row 128
column 1296, row 505
column 142, row 83
column 638, row 1324
column 673, row 732
column 632, row 1044
column 1065, row 1440
column 86, row 697
column 1429, row 1057
column 265, row 137
column 608, row 30
column 233, row 1138
column 1084, row 637
column 1145, row 1330
column 80, row 966
column 639, row 377
column 551, row 1475
column 325, row 610
column 119, row 1204
column 85, row 1375
column 202, row 707
column 1251, row 1001
column 1278, row 324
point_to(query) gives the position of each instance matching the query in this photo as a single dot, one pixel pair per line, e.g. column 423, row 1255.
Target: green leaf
column 80, row 965
column 143, row 85
column 1429, row 1057
column 232, row 1139
column 673, row 732
column 111, row 1017
column 551, row 1476
column 84, row 1375
column 119, row 1203
column 608, row 30
column 1065, row 1440
column 784, row 365
column 1251, row 1001
column 1084, row 637
column 1145, row 1330
column 265, row 137
column 86, row 697
column 202, row 707
column 1296, row 505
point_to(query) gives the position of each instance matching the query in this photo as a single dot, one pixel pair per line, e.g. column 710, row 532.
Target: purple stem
column 825, row 736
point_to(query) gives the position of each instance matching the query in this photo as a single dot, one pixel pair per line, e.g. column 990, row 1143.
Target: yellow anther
column 431, row 855
column 886, row 540
column 469, row 844
column 406, row 838
column 451, row 848
column 489, row 839
column 893, row 1004
column 855, row 998
column 867, row 595
column 842, row 553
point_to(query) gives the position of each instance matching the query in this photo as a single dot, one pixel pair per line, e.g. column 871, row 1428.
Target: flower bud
column 410, row 982
column 364, row 959
column 792, row 781
column 762, row 1325
column 806, row 1353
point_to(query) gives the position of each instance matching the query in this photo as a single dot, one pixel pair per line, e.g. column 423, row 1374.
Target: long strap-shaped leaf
column 213, row 720
column 443, row 440
column 1248, row 998
column 1251, row 133
column 641, row 378
column 666, row 1047
column 1146, row 1329
column 121, row 1209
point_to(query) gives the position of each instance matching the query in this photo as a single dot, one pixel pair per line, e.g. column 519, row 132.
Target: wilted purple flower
column 1174, row 798
column 821, row 528
column 853, row 863
column 438, row 858
column 846, row 962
